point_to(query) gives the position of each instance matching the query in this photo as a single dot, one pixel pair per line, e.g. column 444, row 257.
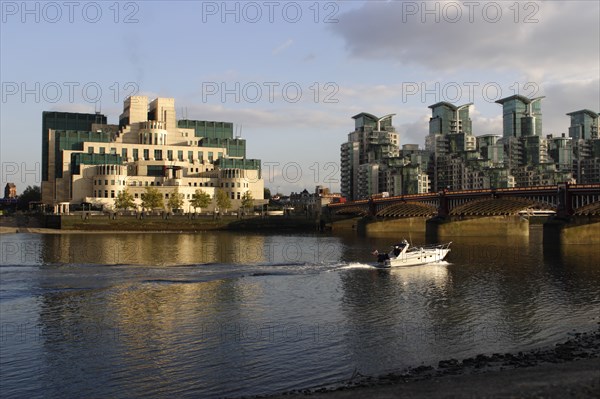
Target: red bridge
column 564, row 199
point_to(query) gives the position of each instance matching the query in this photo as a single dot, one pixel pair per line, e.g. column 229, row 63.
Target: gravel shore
column 569, row 369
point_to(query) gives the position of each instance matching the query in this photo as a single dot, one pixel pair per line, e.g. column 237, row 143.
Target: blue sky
column 316, row 64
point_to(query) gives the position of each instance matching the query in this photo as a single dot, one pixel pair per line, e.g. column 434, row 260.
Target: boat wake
column 355, row 265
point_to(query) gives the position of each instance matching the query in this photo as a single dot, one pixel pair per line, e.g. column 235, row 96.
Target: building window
column 106, row 182
column 135, row 195
column 146, row 154
column 200, row 156
column 158, row 155
column 238, row 195
column 190, row 156
column 102, row 150
column 135, row 154
column 90, row 150
column 170, row 155
column 232, row 195
column 166, row 195
column 113, row 151
column 112, row 193
column 124, row 153
column 180, row 155
column 105, row 193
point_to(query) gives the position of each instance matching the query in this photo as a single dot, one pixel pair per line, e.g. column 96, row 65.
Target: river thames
column 222, row 314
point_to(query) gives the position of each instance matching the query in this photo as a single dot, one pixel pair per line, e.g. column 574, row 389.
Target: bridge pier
column 400, row 225
column 348, row 224
column 441, row 228
column 579, row 229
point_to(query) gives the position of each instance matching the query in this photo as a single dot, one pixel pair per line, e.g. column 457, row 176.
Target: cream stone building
column 87, row 161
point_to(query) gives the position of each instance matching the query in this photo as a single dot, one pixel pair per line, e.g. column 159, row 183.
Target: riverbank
column 68, row 224
column 569, row 369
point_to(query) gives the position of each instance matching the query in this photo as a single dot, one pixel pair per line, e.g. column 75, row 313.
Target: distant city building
column 586, row 146
column 450, row 134
column 87, row 161
column 447, row 118
column 373, row 139
column 521, row 116
column 455, row 159
column 10, row 191
column 584, row 125
column 531, row 157
column 372, row 162
column 560, row 151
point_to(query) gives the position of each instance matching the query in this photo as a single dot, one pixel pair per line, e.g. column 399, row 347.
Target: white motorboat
column 404, row 255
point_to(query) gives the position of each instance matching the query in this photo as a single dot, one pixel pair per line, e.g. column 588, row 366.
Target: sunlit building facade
column 87, row 161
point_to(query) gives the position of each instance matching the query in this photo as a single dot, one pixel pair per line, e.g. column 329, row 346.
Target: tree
column 30, row 194
column 175, row 199
column 124, row 200
column 200, row 199
column 223, row 201
column 152, row 198
column 247, row 200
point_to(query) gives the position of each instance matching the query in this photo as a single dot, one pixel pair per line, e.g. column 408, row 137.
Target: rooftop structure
column 521, row 116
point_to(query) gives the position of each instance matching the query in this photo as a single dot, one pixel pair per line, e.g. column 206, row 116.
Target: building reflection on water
column 154, row 249
column 137, row 335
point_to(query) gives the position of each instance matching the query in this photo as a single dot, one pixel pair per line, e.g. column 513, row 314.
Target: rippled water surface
column 226, row 315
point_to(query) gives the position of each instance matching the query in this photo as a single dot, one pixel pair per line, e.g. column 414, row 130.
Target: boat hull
column 417, row 257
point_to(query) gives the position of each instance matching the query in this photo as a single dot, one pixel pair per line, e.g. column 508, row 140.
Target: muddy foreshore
column 570, row 368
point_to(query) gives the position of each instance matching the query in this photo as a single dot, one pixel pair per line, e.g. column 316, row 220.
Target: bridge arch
column 356, row 210
column 408, row 209
column 500, row 207
column 590, row 209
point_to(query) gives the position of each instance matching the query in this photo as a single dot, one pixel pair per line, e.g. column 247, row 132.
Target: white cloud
column 564, row 39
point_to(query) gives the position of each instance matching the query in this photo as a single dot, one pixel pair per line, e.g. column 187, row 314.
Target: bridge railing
column 562, row 193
